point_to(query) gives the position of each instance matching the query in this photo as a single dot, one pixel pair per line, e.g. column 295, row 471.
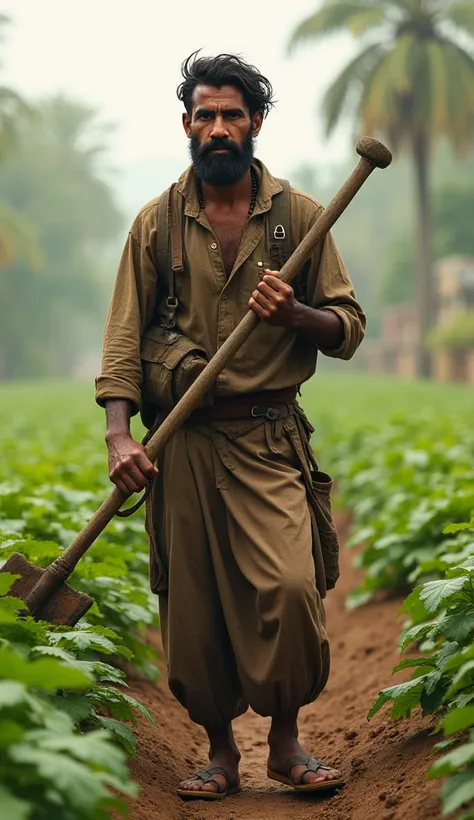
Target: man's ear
column 187, row 124
column 257, row 121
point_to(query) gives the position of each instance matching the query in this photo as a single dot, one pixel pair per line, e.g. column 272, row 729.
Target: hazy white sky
column 124, row 56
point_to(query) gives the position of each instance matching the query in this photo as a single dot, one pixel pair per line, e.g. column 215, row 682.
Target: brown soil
column 384, row 762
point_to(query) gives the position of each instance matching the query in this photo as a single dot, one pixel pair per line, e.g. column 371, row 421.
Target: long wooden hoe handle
column 373, row 155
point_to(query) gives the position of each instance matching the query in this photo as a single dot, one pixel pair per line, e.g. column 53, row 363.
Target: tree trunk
column 425, row 298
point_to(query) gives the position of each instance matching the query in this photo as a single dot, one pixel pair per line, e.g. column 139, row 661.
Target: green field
column 402, row 454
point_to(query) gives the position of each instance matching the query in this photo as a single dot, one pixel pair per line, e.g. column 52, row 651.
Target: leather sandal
column 207, row 776
column 313, row 765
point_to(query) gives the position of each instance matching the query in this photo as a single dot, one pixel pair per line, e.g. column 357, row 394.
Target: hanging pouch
column 319, row 487
column 170, row 364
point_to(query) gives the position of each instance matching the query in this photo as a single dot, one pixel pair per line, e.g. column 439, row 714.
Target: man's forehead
column 225, row 96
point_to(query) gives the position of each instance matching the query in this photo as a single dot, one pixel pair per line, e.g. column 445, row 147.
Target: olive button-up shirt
column 211, row 304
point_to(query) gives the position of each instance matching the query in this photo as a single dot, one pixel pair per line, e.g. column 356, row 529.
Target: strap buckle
column 261, row 411
column 279, row 232
column 172, row 305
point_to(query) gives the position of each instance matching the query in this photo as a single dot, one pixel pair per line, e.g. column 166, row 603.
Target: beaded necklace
column 253, row 199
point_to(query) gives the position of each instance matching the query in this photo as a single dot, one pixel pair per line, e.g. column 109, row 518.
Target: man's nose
column 219, row 128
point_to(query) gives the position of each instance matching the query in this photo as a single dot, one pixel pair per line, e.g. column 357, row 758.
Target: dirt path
column 384, row 763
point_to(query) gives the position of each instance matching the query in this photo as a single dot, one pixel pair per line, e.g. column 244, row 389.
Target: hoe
column 47, row 595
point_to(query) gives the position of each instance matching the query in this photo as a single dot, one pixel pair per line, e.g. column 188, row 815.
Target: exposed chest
column 228, row 229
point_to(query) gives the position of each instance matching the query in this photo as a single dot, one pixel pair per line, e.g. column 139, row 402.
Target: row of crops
column 65, row 715
column 403, row 456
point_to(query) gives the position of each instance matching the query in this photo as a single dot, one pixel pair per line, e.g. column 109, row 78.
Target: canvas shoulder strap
column 170, row 247
column 280, row 245
column 278, row 227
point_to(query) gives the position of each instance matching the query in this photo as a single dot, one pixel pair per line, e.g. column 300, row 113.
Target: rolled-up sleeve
column 329, row 288
column 131, row 309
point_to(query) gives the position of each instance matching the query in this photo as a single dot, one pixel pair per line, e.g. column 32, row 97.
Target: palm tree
column 16, row 233
column 412, row 82
column 12, row 107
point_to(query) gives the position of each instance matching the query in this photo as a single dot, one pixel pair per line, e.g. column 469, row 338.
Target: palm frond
column 388, row 84
column 351, row 81
column 18, row 238
column 338, row 15
column 452, row 74
column 462, row 16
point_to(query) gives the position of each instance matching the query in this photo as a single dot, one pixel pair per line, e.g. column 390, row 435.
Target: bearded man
column 243, row 547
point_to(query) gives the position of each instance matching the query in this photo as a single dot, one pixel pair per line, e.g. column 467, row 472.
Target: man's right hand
column 130, row 469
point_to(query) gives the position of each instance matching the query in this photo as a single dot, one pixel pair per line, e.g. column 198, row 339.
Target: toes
column 321, row 778
column 191, row 785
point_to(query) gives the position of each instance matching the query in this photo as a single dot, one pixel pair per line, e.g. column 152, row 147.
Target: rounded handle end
column 374, row 152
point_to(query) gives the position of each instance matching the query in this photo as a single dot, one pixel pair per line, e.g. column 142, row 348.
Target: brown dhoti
column 237, row 565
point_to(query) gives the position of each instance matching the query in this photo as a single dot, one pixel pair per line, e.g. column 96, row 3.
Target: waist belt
column 270, row 404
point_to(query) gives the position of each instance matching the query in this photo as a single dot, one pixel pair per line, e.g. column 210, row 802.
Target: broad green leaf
column 9, row 609
column 48, row 674
column 414, row 606
column 83, row 641
column 122, row 733
column 445, row 744
column 417, row 633
column 455, row 528
column 82, row 787
column 11, row 693
column 458, row 659
column 447, row 652
column 433, row 693
column 459, row 681
column 76, row 706
column 405, row 697
column 437, row 593
column 118, row 703
column 409, row 663
column 452, row 761
column 94, row 747
column 458, row 720
column 10, row 732
column 459, row 626
column 457, row 790
column 6, row 582
column 12, row 808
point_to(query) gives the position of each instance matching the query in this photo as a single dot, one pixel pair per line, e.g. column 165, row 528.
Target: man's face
column 222, row 134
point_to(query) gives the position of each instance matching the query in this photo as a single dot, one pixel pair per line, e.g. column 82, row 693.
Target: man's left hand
column 274, row 301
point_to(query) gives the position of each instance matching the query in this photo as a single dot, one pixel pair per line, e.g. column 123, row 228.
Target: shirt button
column 214, row 245
column 223, row 297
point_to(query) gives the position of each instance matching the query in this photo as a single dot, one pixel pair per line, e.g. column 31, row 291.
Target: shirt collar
column 267, row 188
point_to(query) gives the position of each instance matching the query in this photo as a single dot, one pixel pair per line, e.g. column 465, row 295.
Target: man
column 242, row 543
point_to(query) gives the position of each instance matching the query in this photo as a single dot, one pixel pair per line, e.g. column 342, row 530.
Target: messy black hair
column 225, row 69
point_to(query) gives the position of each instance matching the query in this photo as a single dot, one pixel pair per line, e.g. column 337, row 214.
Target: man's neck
column 227, row 197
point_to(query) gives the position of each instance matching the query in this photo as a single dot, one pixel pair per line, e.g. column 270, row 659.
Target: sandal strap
column 207, row 776
column 313, row 765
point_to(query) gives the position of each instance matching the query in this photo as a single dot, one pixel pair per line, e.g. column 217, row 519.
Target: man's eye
column 204, row 116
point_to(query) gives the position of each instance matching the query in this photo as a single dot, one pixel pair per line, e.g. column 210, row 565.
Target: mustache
column 219, row 143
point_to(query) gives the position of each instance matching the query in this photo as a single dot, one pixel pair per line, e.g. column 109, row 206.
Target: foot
column 227, row 757
column 283, row 749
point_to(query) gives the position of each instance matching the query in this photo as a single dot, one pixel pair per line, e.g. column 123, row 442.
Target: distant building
column 395, row 351
column 455, row 295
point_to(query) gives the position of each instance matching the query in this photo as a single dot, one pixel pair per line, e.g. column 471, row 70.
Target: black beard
column 222, row 169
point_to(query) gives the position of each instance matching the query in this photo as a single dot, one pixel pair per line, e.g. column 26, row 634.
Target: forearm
column 118, row 412
column 322, row 328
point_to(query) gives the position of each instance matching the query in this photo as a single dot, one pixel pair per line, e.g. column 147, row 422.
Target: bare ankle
column 283, row 730
column 222, row 742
